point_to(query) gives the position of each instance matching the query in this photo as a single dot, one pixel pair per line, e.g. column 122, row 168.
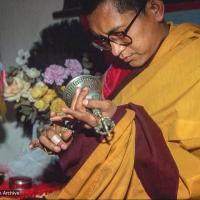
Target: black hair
column 58, row 42
column 88, row 6
column 63, row 40
column 123, row 5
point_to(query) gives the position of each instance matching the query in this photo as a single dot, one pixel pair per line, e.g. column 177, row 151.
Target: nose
column 116, row 48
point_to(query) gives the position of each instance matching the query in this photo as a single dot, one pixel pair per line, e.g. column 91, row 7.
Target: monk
column 155, row 149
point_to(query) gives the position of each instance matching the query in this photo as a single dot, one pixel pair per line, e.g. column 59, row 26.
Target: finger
column 55, row 131
column 79, row 104
column 35, row 143
column 59, row 131
column 78, row 90
column 58, row 118
column 53, row 114
column 107, row 107
column 47, row 143
column 82, row 116
column 69, row 141
column 103, row 105
column 55, row 117
column 66, row 135
column 87, row 126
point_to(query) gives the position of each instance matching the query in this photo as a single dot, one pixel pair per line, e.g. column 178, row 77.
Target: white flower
column 22, row 57
column 28, row 95
column 20, row 74
column 86, row 71
column 31, row 72
column 14, row 91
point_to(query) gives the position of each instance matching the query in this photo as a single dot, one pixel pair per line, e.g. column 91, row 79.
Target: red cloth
column 113, row 77
column 33, row 192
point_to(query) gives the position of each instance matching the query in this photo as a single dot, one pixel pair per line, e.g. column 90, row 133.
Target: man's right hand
column 45, row 140
column 65, row 136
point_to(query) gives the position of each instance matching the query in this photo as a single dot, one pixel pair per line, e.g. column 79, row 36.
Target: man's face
column 146, row 32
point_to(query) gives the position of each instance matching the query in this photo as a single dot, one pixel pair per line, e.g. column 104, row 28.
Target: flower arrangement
column 36, row 94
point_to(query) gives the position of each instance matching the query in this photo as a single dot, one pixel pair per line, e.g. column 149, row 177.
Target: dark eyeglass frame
column 103, row 43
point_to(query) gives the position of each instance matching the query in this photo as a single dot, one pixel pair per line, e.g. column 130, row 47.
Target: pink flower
column 74, row 67
column 57, row 74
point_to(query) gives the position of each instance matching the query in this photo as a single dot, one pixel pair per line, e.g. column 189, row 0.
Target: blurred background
column 21, row 22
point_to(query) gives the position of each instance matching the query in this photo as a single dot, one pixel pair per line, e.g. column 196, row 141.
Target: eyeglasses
column 121, row 38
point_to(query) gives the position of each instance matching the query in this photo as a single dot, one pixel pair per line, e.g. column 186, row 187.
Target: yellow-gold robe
column 169, row 90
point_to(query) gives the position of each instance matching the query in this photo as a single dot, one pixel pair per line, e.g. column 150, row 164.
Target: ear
column 157, row 8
